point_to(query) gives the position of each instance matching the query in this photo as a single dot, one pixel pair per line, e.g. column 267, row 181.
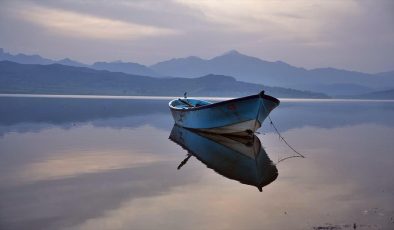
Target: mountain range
column 125, row 67
column 63, row 79
column 330, row 81
column 327, row 80
column 377, row 95
column 115, row 66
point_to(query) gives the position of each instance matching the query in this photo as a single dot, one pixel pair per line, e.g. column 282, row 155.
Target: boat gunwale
column 262, row 95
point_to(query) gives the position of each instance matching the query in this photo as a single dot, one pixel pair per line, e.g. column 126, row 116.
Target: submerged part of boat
column 241, row 159
column 240, row 116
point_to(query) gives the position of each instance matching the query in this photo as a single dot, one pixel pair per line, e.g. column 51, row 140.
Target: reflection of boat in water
column 240, row 116
column 241, row 159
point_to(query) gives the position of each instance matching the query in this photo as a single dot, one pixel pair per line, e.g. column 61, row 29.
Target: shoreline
column 172, row 97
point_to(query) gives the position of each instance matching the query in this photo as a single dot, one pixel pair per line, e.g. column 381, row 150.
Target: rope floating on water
column 280, row 135
column 282, row 138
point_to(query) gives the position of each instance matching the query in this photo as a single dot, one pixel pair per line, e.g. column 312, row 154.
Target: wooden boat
column 240, row 116
column 236, row 158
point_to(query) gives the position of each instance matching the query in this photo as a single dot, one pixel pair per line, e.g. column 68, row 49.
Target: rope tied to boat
column 280, row 135
column 283, row 139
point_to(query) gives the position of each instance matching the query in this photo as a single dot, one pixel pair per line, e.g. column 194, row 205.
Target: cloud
column 72, row 165
column 75, row 24
column 356, row 35
column 301, row 21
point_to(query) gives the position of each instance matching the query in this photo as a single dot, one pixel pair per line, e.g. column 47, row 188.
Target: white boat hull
column 236, row 129
column 240, row 116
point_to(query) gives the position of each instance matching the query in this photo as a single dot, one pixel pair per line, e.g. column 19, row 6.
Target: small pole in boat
column 184, row 161
column 185, row 101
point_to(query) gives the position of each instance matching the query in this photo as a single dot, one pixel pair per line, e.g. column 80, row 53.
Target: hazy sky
column 355, row 35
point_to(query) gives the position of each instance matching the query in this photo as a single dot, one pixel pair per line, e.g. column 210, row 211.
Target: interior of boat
column 188, row 103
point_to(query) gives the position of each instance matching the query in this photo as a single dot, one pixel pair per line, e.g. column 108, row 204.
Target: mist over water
column 78, row 163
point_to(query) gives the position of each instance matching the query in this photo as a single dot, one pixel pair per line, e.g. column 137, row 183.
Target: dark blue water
column 69, row 163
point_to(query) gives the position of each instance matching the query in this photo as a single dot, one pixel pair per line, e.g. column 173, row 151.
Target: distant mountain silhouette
column 67, row 61
column 24, row 59
column 386, row 74
column 378, row 95
column 244, row 68
column 61, row 79
column 117, row 66
column 35, row 59
column 125, row 67
column 251, row 69
column 344, row 89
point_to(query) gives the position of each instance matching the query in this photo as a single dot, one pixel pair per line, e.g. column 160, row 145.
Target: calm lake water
column 85, row 163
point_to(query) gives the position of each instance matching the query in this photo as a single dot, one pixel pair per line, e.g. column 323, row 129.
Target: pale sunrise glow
column 284, row 20
column 352, row 35
column 86, row 26
column 74, row 164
